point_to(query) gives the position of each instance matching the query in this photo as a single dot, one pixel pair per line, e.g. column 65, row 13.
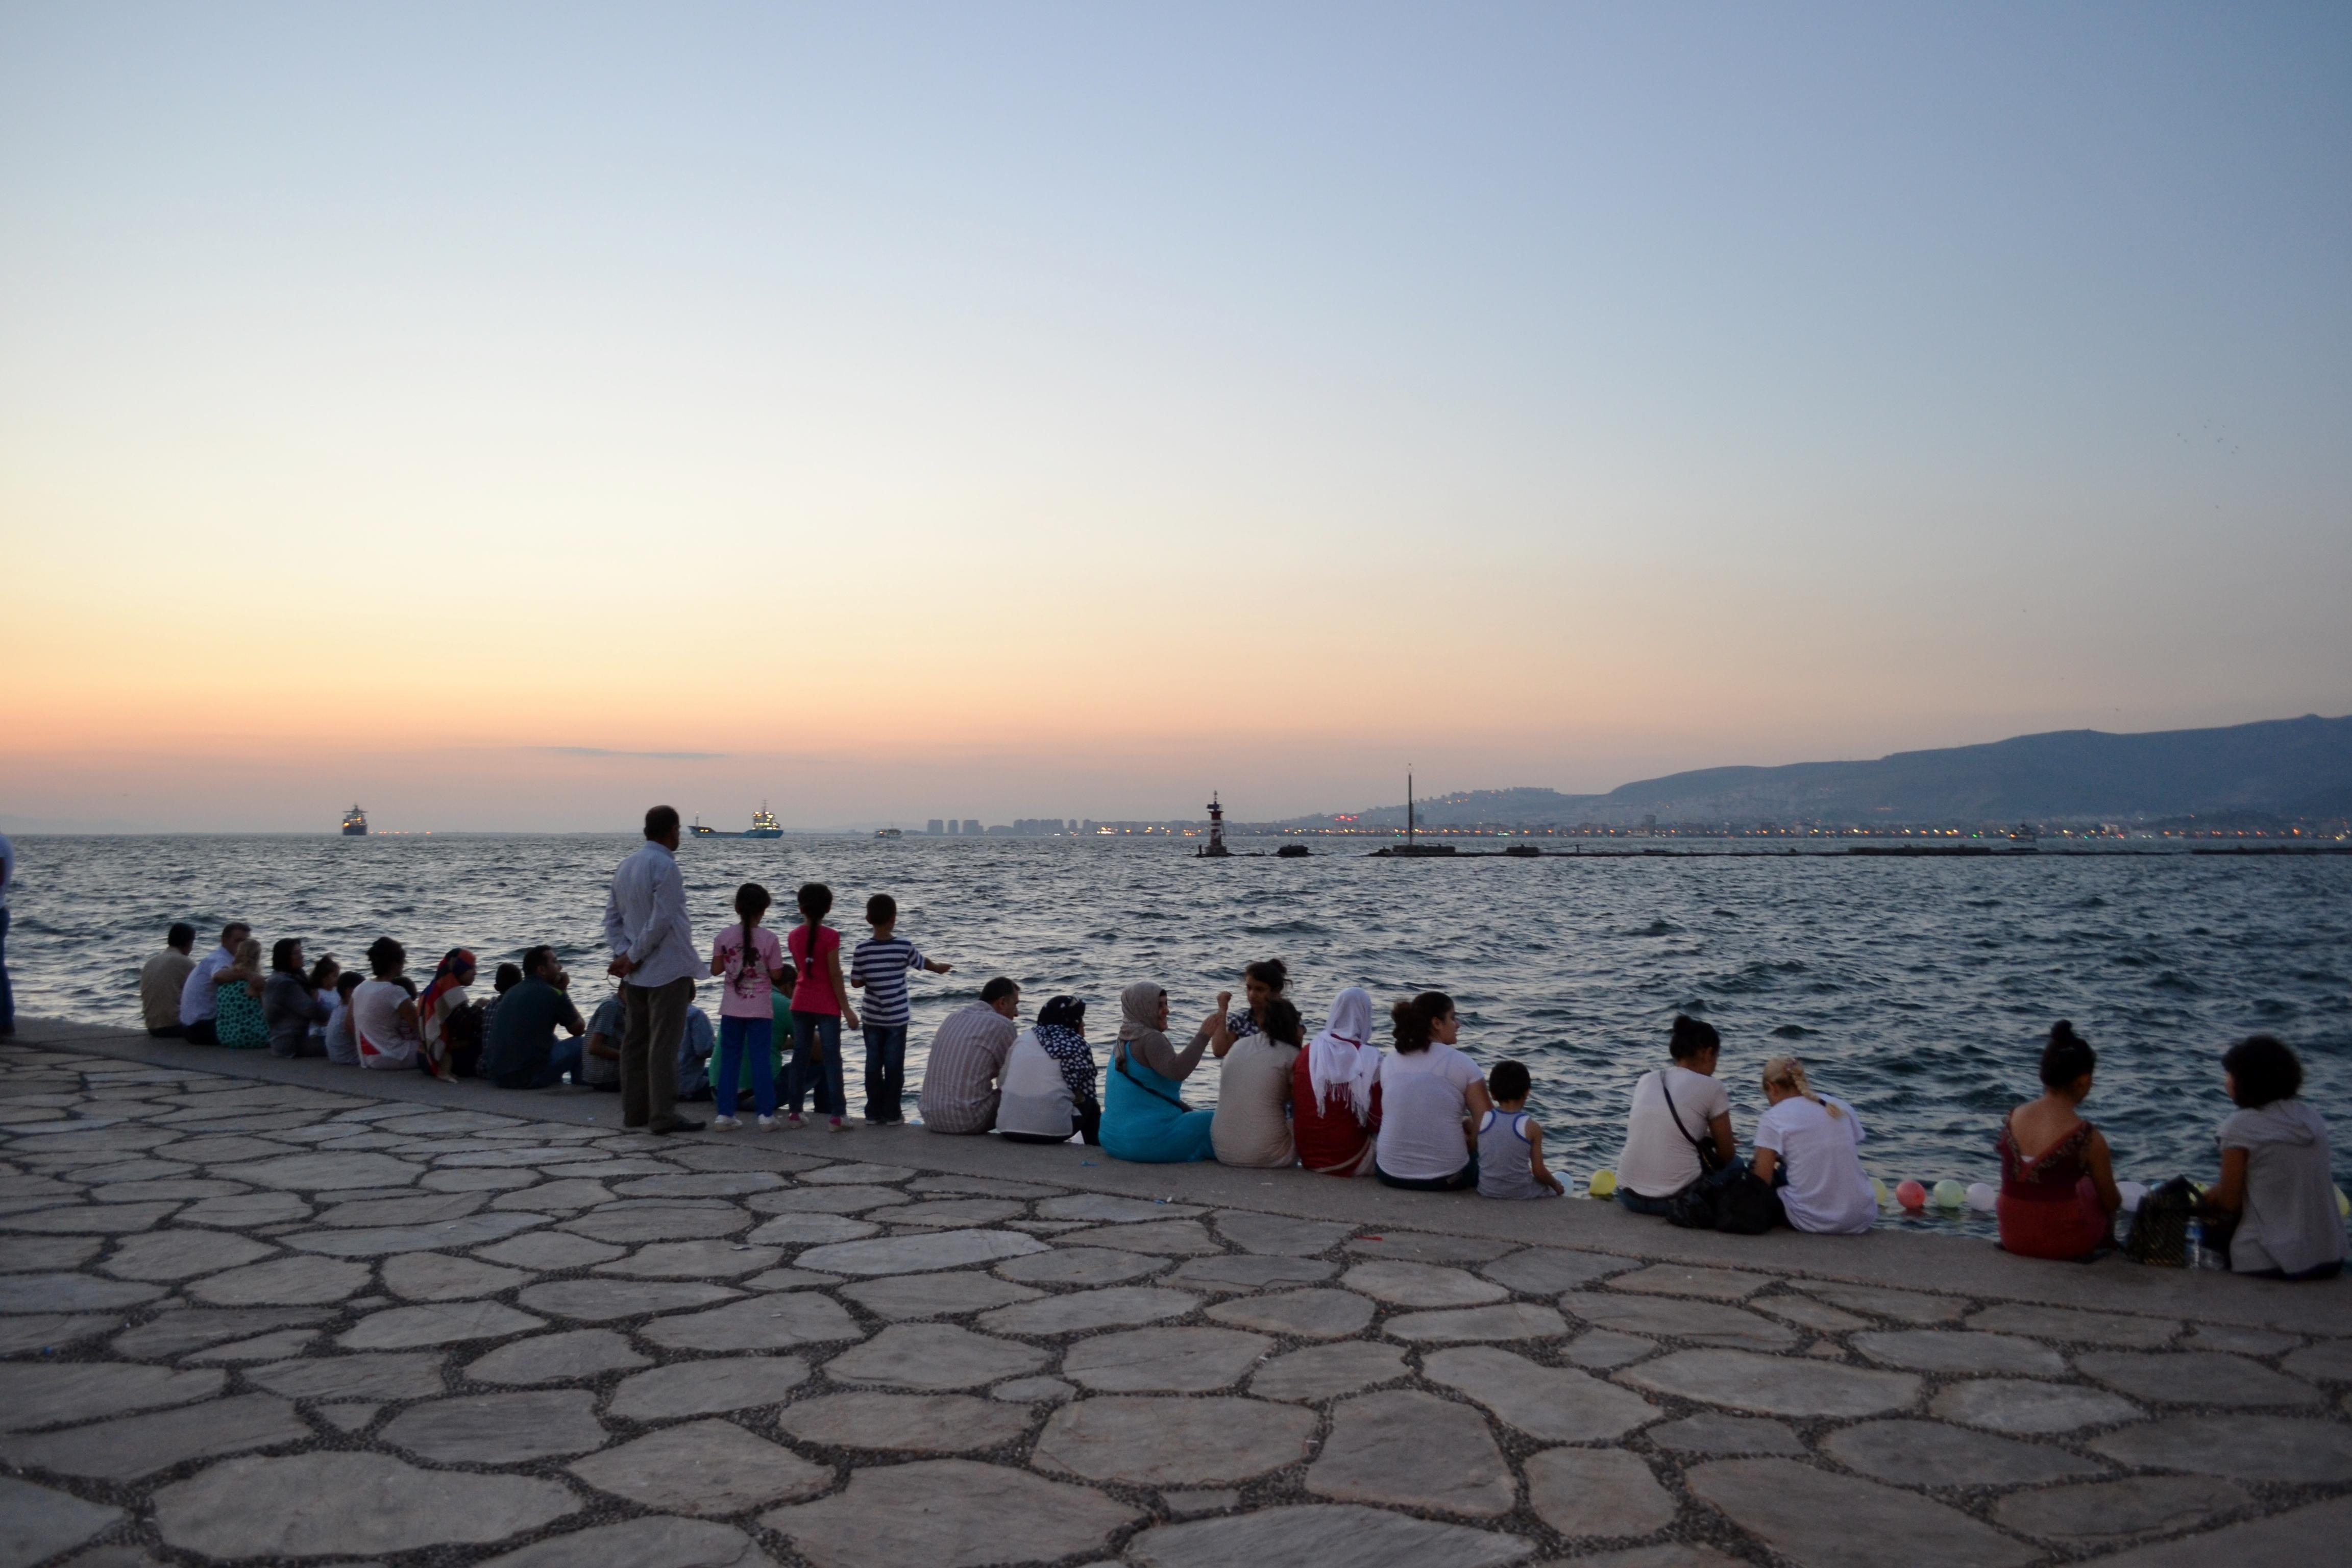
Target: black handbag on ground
column 2159, row 1231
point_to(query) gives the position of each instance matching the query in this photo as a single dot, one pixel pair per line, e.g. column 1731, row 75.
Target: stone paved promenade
column 257, row 1311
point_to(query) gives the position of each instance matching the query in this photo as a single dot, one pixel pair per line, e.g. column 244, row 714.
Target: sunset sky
column 507, row 415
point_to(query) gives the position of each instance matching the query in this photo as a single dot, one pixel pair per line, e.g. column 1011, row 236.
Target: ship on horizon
column 764, row 825
column 355, row 823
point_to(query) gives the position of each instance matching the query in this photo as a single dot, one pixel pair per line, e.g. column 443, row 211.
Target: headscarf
column 1342, row 1060
column 444, row 980
column 1139, row 1009
column 1058, row 1031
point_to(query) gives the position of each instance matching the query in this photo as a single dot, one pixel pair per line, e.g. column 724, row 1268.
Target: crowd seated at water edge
column 1420, row 1117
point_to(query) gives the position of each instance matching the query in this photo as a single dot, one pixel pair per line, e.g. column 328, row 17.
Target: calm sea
column 1918, row 989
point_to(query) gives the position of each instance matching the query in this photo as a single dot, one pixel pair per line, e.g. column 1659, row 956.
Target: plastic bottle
column 2200, row 1254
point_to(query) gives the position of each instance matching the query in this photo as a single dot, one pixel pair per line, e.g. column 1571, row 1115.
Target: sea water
column 1918, row 989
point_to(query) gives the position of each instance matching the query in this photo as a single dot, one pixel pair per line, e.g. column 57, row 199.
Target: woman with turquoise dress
column 1144, row 1115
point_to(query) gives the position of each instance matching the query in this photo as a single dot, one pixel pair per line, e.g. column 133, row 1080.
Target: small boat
column 764, row 824
column 355, row 823
column 889, row 833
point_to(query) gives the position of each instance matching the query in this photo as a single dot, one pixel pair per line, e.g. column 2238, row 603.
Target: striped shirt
column 960, row 1085
column 880, row 966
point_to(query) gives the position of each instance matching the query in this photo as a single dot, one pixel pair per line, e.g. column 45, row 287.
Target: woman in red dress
column 2058, row 1196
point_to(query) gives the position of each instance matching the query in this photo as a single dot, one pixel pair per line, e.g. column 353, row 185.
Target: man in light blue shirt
column 655, row 959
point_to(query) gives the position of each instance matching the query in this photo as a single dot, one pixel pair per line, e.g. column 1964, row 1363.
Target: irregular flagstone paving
column 245, row 1321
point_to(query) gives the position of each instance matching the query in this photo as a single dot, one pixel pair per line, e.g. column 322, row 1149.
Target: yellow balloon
column 2343, row 1204
column 1604, row 1185
column 1878, row 1190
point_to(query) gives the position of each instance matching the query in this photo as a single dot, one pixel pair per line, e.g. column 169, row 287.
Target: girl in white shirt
column 1675, row 1111
column 1430, row 1096
column 1805, row 1145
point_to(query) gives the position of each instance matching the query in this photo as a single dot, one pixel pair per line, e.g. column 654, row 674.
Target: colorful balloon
column 1949, row 1194
column 1604, row 1185
column 1912, row 1197
column 2343, row 1204
column 1982, row 1197
column 1878, row 1190
column 2132, row 1193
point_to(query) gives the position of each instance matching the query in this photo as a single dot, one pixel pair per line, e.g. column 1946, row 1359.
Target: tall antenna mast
column 1408, row 805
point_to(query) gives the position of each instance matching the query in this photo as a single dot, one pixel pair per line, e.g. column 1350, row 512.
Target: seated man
column 694, row 1045
column 521, row 1051
column 199, row 995
column 163, row 978
column 600, row 1059
column 967, row 1066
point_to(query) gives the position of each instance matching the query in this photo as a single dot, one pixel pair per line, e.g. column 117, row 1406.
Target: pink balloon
column 1911, row 1195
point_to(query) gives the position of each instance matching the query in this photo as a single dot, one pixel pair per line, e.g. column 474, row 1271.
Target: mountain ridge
column 2282, row 768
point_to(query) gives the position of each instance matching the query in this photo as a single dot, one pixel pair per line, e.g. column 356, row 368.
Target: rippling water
column 1918, row 989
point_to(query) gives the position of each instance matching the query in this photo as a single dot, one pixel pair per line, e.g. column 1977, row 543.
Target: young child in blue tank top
column 1510, row 1144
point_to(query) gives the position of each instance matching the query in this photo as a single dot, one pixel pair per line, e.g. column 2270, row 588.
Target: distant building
column 971, row 825
column 932, row 828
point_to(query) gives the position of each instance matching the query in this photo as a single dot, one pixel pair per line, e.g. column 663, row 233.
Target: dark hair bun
column 2067, row 1057
column 1691, row 1038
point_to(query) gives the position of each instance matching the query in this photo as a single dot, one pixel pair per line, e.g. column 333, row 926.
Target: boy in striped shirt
column 879, row 968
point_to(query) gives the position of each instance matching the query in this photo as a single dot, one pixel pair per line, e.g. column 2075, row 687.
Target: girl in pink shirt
column 820, row 1010
column 748, row 960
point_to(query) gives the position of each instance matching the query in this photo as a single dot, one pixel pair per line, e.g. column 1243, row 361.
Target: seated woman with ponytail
column 2058, row 1196
column 1805, row 1147
column 1431, row 1096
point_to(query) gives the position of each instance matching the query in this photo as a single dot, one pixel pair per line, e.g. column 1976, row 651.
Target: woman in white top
column 384, row 1011
column 1048, row 1091
column 1430, row 1096
column 1675, row 1110
column 1805, row 1146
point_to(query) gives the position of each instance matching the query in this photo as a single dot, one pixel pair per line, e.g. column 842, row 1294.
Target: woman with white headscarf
column 1335, row 1092
column 1144, row 1114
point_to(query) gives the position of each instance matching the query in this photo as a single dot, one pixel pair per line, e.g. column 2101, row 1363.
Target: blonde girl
column 1807, row 1146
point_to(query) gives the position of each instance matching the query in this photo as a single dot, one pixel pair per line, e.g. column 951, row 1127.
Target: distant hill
column 2285, row 768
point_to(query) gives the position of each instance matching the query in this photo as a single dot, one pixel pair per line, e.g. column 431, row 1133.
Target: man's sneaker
column 767, row 1124
column 673, row 1123
column 838, row 1125
column 793, row 1123
column 724, row 1124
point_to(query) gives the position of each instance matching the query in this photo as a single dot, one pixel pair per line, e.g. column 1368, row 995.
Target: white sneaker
column 724, row 1123
column 767, row 1124
column 838, row 1125
column 793, row 1123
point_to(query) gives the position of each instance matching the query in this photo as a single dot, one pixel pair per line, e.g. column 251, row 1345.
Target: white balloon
column 2132, row 1193
column 1982, row 1197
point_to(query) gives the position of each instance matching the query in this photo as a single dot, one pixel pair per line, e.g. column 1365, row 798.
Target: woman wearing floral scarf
column 1048, row 1087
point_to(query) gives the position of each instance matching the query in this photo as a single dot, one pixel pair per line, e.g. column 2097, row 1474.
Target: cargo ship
column 355, row 823
column 764, row 825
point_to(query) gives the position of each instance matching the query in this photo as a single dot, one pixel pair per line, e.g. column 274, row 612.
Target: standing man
column 655, row 959
column 163, row 978
column 200, row 997
column 7, row 991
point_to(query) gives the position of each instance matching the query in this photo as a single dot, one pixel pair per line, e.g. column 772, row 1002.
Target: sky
column 506, row 415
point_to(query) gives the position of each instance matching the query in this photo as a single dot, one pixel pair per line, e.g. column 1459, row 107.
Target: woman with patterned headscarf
column 1048, row 1089
column 1144, row 1114
column 449, row 1029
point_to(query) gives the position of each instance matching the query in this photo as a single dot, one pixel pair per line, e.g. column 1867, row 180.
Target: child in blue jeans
column 750, row 960
column 879, row 969
column 820, row 1009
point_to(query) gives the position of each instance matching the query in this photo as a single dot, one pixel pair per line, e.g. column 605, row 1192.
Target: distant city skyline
column 507, row 416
